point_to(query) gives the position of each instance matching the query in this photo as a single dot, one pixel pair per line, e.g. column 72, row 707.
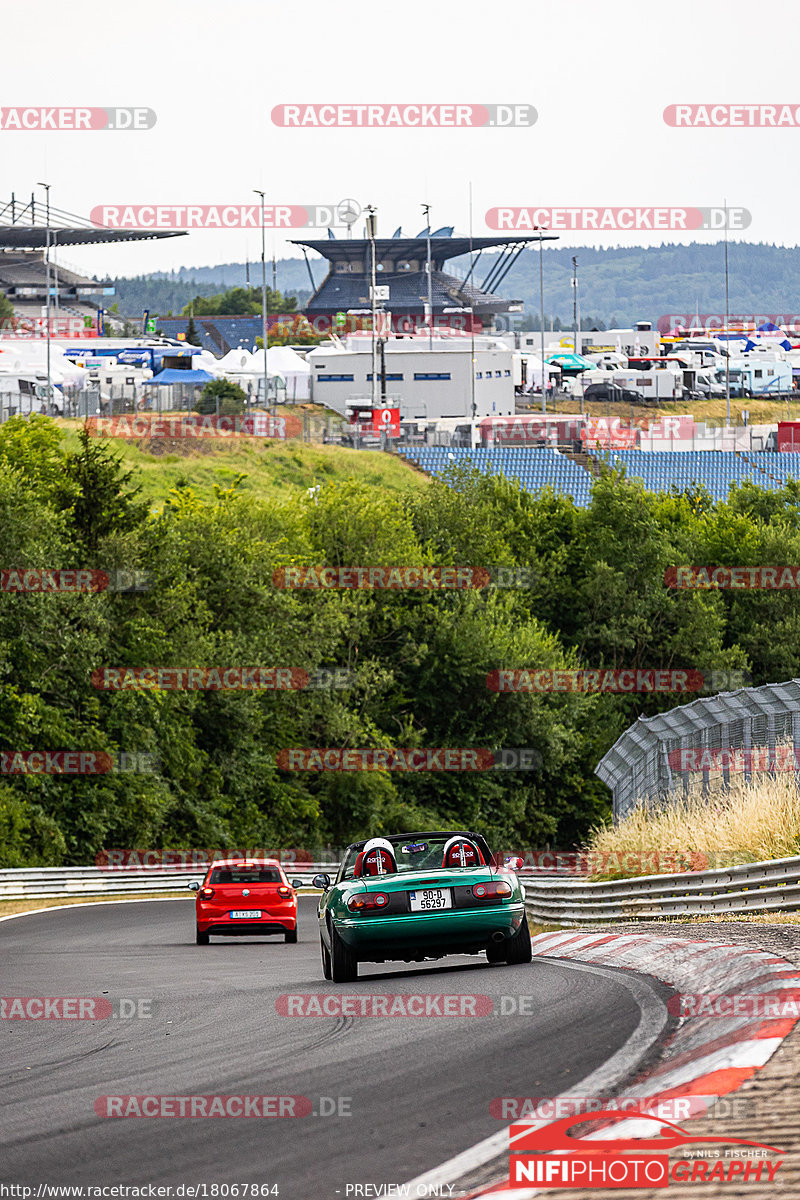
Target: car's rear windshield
column 426, row 854
column 243, row 875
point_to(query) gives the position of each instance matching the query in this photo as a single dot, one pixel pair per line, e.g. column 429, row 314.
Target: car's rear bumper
column 406, row 935
column 225, row 926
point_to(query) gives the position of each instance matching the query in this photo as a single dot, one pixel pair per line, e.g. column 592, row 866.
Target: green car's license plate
column 429, row 899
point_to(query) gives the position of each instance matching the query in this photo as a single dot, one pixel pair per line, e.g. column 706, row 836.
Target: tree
column 6, row 308
column 192, row 336
column 223, row 392
column 238, row 302
column 95, row 490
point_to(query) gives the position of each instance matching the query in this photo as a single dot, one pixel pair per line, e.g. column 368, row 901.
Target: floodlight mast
column 372, row 221
column 46, row 187
column 264, row 300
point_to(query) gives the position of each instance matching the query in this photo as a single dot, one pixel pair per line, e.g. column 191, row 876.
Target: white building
column 427, row 384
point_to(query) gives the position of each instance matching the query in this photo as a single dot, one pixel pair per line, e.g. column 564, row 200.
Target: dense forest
column 594, row 596
column 617, row 285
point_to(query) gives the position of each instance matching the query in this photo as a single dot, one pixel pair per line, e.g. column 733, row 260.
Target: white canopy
column 283, row 361
column 534, row 371
column 238, row 360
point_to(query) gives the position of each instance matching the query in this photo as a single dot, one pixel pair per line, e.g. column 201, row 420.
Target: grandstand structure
column 401, row 270
column 532, row 468
column 714, row 470
column 26, row 229
column 660, row 470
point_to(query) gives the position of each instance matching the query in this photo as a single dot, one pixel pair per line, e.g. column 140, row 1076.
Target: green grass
column 273, row 470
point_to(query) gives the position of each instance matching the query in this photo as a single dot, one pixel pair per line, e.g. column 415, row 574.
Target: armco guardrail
column 57, row 882
column 51, row 882
column 772, row 886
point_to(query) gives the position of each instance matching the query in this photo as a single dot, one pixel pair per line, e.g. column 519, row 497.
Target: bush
column 231, row 398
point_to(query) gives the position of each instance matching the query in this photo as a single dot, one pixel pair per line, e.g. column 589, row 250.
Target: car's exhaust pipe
column 498, row 937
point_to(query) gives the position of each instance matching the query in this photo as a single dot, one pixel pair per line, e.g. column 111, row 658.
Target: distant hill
column 617, row 285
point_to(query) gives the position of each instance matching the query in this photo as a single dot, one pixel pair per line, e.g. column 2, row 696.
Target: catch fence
column 732, row 734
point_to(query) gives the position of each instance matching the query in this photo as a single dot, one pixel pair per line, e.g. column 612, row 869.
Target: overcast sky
column 599, row 76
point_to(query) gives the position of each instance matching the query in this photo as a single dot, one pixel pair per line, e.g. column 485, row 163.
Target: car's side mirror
column 297, row 883
column 322, row 881
column 515, row 864
column 194, row 886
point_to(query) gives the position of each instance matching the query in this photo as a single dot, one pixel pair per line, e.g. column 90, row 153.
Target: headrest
column 461, row 852
column 377, row 858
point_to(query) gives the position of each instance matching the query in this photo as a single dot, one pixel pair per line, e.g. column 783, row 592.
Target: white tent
column 534, row 370
column 283, row 361
column 27, row 357
column 238, row 361
column 204, row 360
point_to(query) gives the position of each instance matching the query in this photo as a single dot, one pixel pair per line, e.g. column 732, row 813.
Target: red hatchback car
column 246, row 898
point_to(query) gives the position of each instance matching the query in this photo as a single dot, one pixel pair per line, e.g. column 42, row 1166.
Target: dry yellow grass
column 751, row 822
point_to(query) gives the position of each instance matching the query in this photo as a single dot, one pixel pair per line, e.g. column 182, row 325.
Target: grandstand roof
column 24, row 226
column 20, row 237
column 338, row 249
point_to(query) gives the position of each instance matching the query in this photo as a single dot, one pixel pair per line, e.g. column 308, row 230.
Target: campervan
column 755, row 375
column 21, row 395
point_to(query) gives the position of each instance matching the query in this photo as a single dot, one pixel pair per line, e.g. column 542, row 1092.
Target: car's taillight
column 284, row 891
column 207, row 892
column 368, row 900
column 492, row 891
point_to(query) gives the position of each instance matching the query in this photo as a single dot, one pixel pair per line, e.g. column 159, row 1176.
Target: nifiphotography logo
column 549, row 1156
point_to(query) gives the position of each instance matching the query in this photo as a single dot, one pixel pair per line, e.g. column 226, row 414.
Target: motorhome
column 23, row 394
column 756, row 375
column 664, row 383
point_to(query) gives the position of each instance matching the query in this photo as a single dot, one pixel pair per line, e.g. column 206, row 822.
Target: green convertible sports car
column 416, row 896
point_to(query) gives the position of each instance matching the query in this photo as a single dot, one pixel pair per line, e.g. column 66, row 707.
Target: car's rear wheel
column 200, row 937
column 496, row 952
column 326, row 959
column 344, row 964
column 290, row 935
column 518, row 948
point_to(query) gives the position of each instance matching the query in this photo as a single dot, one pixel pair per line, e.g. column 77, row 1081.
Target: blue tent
column 171, row 375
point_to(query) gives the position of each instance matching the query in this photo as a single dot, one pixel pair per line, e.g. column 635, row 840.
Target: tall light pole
column 46, row 187
column 541, row 303
column 575, row 301
column 264, row 300
column 426, row 208
column 472, row 331
column 728, row 340
column 371, row 225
